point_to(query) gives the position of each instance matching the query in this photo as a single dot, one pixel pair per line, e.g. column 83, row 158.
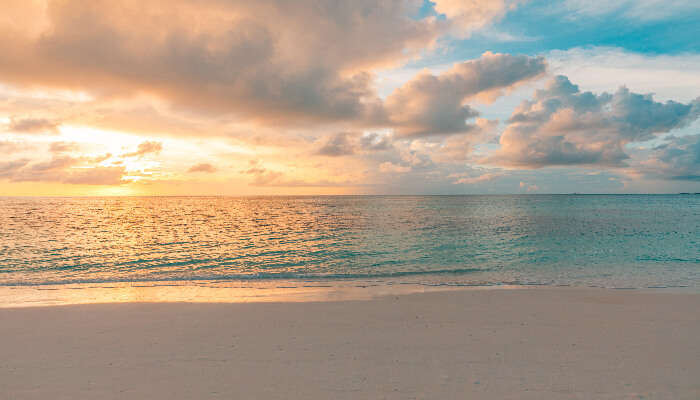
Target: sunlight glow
column 115, row 142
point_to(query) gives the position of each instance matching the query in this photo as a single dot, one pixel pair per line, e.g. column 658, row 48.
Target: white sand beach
column 542, row 343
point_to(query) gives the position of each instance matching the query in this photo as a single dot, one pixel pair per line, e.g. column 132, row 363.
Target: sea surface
column 616, row 241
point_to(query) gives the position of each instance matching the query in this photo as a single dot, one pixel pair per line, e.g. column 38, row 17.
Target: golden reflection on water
column 609, row 241
column 208, row 292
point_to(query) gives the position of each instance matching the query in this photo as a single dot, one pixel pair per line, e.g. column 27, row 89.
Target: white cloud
column 646, row 10
column 598, row 69
column 565, row 126
column 434, row 105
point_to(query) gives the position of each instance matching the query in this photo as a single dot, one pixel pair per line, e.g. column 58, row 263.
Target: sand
column 542, row 343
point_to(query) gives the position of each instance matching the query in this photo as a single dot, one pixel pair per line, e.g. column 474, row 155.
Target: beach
column 373, row 199
column 523, row 343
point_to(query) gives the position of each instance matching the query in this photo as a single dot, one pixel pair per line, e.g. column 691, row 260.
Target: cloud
column 9, row 168
column 63, row 169
column 388, row 167
column 296, row 85
column 9, row 147
column 460, row 148
column 375, row 142
column 434, row 105
column 268, row 60
column 37, row 170
column 144, row 148
column 469, row 179
column 336, row 145
column 32, row 125
column 678, row 158
column 63, row 147
column 564, row 126
column 528, row 187
column 350, row 143
column 261, row 175
column 95, row 176
column 645, row 10
column 202, row 167
column 98, row 159
column 468, row 16
column 668, row 76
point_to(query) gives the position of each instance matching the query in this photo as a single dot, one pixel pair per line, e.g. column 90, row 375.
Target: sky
column 272, row 97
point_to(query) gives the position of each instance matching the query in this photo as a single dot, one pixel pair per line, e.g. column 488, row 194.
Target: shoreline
column 225, row 291
column 526, row 343
column 220, row 292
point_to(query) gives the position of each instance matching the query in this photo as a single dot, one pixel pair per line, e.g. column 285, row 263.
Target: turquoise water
column 579, row 240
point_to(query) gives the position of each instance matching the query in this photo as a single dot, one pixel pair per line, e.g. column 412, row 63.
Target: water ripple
column 611, row 241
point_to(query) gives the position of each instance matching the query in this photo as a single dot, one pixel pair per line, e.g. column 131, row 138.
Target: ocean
column 615, row 241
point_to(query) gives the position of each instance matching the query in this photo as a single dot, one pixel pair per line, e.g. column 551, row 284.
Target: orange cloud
column 32, row 125
column 259, row 60
column 145, row 148
column 202, row 167
column 62, row 169
column 468, row 16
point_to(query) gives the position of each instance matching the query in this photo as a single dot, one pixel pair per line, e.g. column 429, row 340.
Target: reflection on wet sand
column 213, row 292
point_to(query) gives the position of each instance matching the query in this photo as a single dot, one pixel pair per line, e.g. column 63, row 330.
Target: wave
column 265, row 276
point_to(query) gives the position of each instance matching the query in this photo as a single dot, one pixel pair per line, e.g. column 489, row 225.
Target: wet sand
column 542, row 343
